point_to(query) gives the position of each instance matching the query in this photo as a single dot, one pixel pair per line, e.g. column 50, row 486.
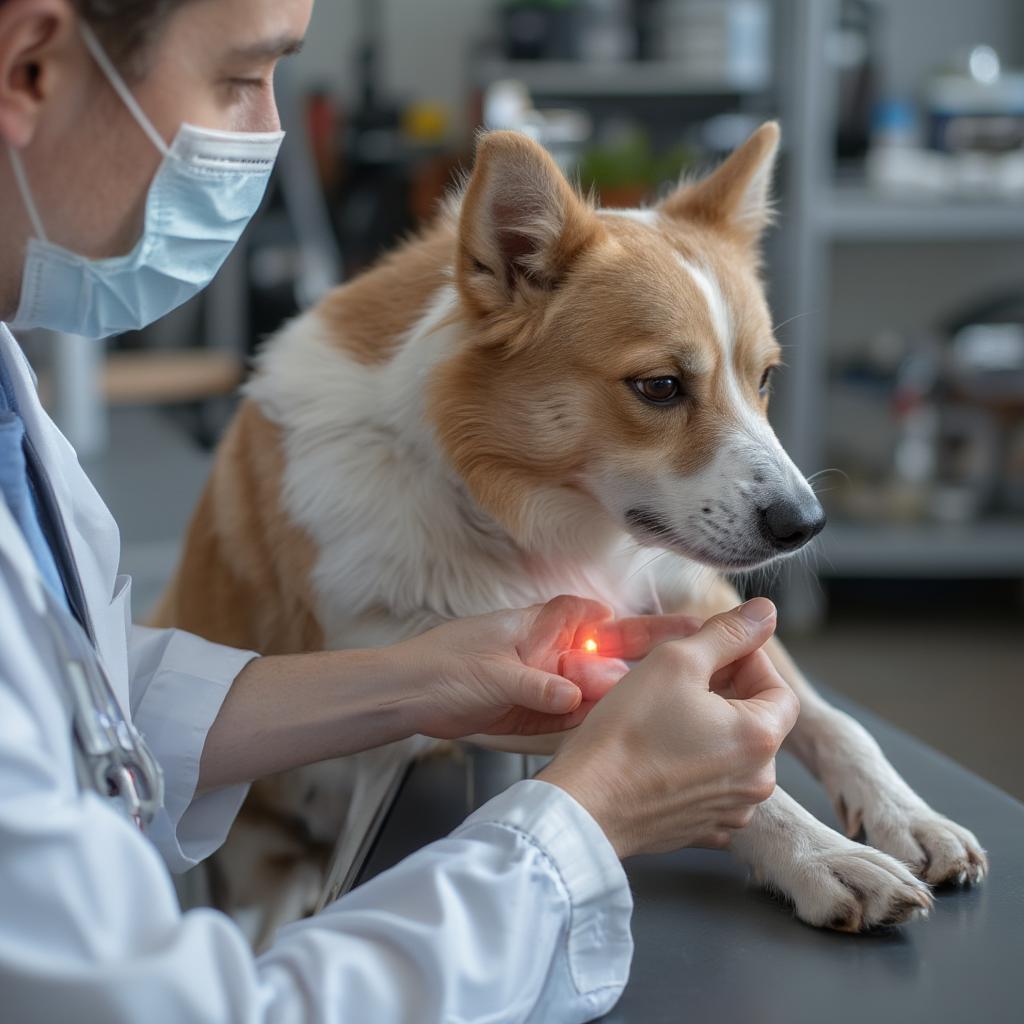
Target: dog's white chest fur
column 402, row 545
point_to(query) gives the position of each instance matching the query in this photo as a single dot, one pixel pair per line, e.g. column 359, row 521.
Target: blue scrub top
column 20, row 488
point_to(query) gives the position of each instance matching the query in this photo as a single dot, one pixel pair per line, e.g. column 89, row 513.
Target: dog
column 537, row 396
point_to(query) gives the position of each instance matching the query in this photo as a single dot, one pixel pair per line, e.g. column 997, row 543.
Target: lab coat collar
column 13, row 547
column 92, row 534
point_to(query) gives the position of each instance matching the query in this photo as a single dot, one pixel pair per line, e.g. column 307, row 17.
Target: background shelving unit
column 852, row 213
column 820, row 214
column 993, row 548
column 633, row 78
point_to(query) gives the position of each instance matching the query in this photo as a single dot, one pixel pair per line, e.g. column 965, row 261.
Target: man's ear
column 31, row 33
column 521, row 225
column 737, row 196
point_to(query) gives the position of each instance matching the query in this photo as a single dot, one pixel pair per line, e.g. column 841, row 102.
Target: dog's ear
column 521, row 224
column 737, row 196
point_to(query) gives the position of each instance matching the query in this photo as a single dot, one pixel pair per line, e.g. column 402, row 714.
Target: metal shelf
column 991, row 548
column 822, row 214
column 850, row 213
column 626, row 78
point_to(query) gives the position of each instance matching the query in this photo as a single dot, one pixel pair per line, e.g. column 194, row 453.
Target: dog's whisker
column 822, row 472
column 647, row 564
column 797, row 316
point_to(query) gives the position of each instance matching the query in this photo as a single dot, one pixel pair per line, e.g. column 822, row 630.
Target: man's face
column 212, row 65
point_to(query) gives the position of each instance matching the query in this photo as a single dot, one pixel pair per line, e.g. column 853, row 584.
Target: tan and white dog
column 533, row 398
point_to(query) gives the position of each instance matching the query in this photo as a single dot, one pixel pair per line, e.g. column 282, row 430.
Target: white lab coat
column 522, row 914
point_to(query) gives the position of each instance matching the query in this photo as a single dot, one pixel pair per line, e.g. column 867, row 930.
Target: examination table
column 712, row 948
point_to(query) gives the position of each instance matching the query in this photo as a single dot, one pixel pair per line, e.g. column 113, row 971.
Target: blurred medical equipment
column 968, row 140
column 941, row 420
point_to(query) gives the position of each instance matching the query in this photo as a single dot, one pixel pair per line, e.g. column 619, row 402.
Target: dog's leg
column 831, row 881
column 868, row 794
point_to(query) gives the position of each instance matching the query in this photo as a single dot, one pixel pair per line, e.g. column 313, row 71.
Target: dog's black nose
column 788, row 525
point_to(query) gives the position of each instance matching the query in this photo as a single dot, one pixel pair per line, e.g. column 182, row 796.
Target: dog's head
column 616, row 367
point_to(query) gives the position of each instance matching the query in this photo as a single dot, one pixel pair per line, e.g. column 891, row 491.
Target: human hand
column 523, row 672
column 683, row 749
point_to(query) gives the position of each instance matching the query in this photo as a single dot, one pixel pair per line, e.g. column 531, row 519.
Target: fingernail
column 564, row 698
column 757, row 610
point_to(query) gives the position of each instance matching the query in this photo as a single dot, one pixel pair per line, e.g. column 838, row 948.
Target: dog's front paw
column 935, row 848
column 831, row 881
column 852, row 888
column 870, row 797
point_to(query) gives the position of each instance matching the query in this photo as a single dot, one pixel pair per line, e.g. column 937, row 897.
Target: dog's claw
column 853, row 888
column 937, row 850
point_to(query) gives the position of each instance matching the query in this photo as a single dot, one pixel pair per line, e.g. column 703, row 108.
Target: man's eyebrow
column 269, row 49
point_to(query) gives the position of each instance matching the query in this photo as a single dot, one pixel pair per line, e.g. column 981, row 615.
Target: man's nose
column 789, row 524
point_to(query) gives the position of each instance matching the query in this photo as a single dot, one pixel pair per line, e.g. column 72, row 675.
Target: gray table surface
column 710, row 947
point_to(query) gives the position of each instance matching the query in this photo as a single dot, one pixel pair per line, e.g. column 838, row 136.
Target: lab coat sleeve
column 178, row 683
column 522, row 915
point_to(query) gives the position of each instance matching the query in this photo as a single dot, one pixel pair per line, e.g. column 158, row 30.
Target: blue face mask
column 205, row 192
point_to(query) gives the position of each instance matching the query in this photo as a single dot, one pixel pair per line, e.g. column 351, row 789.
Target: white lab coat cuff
column 600, row 945
column 188, row 681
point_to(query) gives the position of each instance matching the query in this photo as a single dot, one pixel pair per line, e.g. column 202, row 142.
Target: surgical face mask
column 205, row 192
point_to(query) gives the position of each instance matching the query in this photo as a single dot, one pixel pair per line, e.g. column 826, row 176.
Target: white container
column 725, row 42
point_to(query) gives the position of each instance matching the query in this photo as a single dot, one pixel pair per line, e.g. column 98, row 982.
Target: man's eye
column 659, row 390
column 240, row 86
column 766, row 380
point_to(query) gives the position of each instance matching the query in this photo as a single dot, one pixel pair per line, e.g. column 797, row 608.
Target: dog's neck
column 398, row 533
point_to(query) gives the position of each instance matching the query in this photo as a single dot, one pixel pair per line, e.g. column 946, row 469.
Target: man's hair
column 126, row 27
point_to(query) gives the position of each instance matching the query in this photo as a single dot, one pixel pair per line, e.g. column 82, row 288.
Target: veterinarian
column 125, row 752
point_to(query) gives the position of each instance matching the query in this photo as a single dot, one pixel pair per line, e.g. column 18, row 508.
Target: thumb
column 593, row 675
column 544, row 692
column 726, row 638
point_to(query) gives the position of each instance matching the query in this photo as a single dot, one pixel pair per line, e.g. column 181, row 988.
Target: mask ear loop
column 117, row 83
column 21, row 179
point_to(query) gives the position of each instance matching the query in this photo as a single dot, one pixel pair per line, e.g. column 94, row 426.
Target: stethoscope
column 111, row 754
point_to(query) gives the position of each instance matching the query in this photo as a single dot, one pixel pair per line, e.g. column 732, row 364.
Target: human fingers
column 530, row 723
column 726, row 638
column 757, row 685
column 594, row 675
column 636, row 637
column 541, row 691
column 723, row 682
column 563, row 619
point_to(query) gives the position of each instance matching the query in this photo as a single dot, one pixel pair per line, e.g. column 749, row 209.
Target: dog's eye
column 766, row 381
column 659, row 390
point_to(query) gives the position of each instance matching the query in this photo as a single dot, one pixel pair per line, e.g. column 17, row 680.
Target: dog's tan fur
column 244, row 577
column 369, row 316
